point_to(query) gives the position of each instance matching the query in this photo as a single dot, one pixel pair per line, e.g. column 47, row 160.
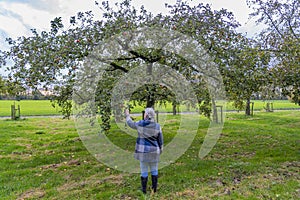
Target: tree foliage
column 3, row 88
column 11, row 89
column 281, row 37
column 53, row 58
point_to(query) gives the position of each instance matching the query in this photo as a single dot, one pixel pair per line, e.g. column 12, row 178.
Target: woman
column 149, row 146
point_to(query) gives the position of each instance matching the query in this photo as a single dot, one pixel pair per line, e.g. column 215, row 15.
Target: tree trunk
column 214, row 111
column 150, row 98
column 248, row 110
column 150, row 101
column 174, row 108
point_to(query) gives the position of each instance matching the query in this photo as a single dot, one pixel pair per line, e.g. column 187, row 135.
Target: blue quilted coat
column 149, row 143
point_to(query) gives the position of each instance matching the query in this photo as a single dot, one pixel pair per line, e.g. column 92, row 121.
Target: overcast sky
column 17, row 17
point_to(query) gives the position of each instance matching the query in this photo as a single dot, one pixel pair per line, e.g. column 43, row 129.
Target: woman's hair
column 150, row 113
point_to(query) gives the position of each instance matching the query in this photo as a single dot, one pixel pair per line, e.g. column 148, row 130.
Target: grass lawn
column 255, row 158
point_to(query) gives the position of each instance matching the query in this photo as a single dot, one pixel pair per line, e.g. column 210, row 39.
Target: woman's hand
column 126, row 112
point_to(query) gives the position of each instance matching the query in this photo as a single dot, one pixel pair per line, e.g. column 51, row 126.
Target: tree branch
column 272, row 22
column 289, row 21
column 116, row 66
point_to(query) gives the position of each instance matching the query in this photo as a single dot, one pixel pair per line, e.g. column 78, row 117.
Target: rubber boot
column 144, row 184
column 154, row 183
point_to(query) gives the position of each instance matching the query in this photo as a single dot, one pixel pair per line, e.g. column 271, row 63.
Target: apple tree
column 52, row 58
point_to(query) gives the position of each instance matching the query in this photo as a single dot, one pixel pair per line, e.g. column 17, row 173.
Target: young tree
column 247, row 74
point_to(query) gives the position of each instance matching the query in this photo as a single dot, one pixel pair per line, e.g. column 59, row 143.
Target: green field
column 259, row 105
column 28, row 107
column 277, row 105
column 255, row 158
column 43, row 107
